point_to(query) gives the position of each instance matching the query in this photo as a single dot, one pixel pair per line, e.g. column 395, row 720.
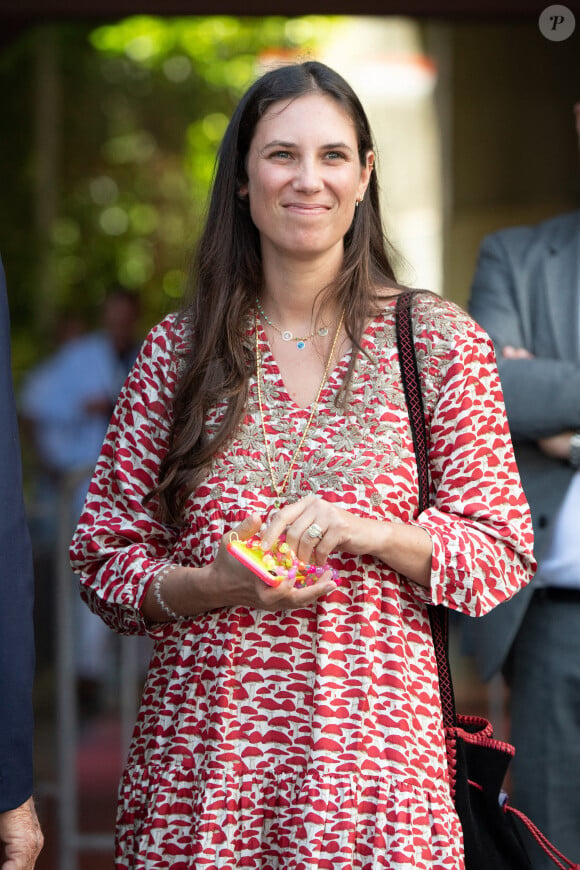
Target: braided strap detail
column 413, row 396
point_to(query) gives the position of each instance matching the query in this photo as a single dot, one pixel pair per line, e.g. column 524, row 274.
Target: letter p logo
column 557, row 23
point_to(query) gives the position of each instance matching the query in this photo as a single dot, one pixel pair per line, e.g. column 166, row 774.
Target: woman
column 297, row 727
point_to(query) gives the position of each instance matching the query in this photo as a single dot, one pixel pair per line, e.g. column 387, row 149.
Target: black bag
column 494, row 832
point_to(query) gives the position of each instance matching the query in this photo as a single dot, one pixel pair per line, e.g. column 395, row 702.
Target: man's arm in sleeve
column 542, row 396
column 16, row 597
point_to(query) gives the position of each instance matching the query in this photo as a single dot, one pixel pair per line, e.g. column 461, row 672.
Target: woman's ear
column 365, row 175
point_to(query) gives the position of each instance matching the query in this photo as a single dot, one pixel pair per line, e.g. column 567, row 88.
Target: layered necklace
column 286, row 334
column 280, row 487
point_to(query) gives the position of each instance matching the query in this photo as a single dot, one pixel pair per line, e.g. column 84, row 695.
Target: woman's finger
column 282, row 521
column 249, row 526
column 286, row 596
column 305, row 535
column 325, row 546
column 279, row 521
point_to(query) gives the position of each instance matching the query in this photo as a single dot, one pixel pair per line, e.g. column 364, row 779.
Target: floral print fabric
column 309, row 739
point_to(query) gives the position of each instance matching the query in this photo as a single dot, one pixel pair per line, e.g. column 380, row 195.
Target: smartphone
column 277, row 563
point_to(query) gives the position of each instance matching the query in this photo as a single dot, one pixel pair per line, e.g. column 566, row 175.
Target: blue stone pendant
column 300, row 344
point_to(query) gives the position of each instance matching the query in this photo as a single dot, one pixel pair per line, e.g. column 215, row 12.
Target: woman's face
column 304, row 177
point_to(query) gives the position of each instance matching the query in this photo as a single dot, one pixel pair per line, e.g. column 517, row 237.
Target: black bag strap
column 438, row 615
column 413, row 395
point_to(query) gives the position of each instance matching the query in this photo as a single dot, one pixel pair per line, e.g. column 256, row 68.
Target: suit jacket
column 16, row 596
column 526, row 292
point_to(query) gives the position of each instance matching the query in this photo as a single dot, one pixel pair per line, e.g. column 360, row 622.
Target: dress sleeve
column 119, row 545
column 479, row 519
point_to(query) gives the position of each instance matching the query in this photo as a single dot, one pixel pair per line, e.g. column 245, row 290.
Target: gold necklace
column 279, row 488
column 289, row 336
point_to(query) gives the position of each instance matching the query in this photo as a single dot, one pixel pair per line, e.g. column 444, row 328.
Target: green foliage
column 140, row 107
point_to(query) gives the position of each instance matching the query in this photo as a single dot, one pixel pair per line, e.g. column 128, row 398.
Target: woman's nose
column 308, row 177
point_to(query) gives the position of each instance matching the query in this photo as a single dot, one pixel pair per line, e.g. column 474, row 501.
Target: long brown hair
column 227, row 274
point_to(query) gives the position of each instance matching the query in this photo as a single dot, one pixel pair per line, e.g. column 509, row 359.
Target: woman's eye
column 282, row 155
column 334, row 155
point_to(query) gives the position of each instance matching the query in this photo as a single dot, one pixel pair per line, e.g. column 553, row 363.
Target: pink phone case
column 274, row 565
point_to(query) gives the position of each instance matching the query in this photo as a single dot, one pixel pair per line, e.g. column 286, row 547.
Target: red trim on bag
column 451, row 751
column 488, row 742
column 483, row 736
column 484, row 726
column 542, row 840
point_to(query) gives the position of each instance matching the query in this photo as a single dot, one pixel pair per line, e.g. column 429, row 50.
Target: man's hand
column 20, row 837
column 509, row 352
column 557, row 446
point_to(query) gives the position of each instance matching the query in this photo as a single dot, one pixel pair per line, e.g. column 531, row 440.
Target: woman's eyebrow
column 330, row 146
column 277, row 143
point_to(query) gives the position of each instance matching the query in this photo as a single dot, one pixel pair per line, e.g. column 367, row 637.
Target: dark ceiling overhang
column 30, row 10
column 17, row 16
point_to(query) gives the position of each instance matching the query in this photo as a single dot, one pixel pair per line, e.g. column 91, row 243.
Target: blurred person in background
column 20, row 835
column 65, row 405
column 68, row 399
column 526, row 295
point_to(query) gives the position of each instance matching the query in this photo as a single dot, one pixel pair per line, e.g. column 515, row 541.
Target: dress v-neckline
column 269, row 361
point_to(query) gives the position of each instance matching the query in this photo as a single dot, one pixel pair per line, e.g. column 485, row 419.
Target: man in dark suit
column 20, row 835
column 526, row 295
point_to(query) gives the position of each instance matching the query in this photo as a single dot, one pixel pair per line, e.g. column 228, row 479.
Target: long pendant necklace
column 280, row 488
column 286, row 334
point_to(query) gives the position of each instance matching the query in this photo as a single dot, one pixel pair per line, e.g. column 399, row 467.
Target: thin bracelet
column 159, row 578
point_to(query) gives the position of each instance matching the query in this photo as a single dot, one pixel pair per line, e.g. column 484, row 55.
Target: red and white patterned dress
column 310, row 739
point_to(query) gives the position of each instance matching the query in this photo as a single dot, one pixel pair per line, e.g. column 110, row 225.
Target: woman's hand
column 228, row 583
column 315, row 528
column 239, row 585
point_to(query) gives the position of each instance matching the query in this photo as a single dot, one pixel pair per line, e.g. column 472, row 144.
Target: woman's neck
column 293, row 291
